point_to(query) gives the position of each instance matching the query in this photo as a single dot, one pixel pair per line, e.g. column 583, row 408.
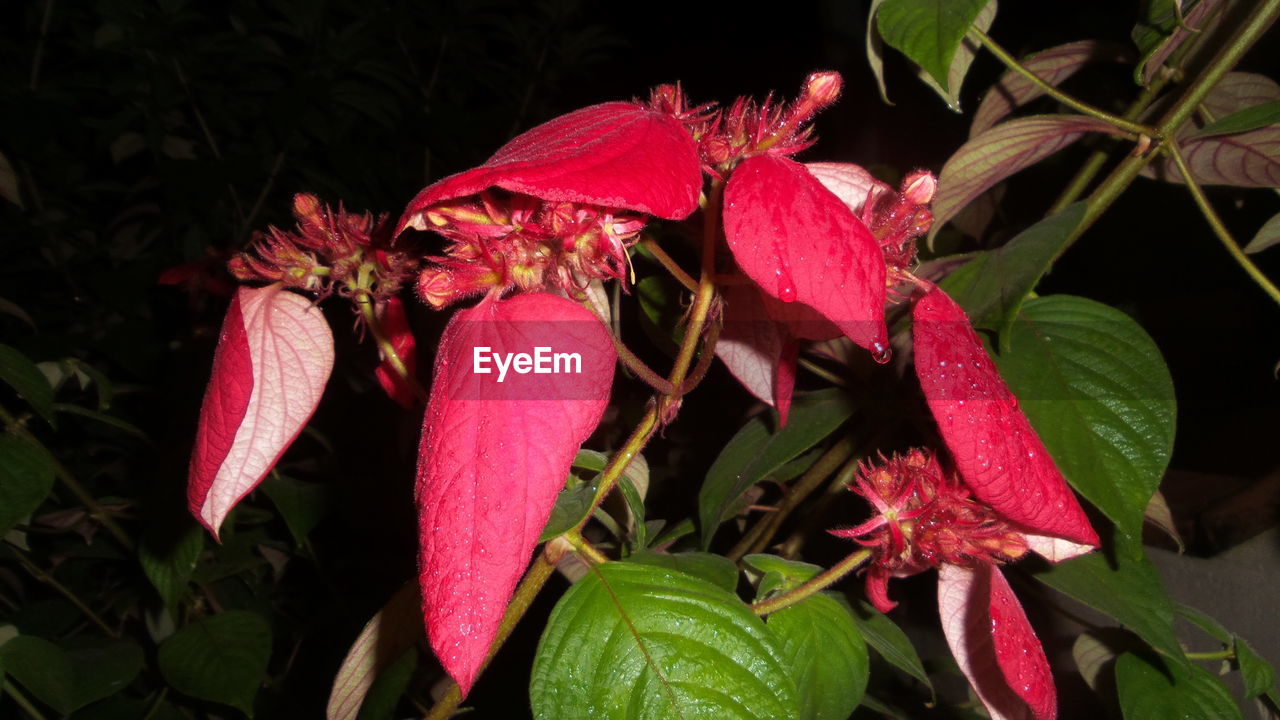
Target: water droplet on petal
column 881, row 353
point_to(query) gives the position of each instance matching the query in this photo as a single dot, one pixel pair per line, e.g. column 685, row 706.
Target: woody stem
column 818, row 583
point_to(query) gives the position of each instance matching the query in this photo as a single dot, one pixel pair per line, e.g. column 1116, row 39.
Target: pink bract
column 494, row 455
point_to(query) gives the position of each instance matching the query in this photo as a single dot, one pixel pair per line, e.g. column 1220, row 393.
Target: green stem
column 543, row 566
column 638, row 367
column 585, row 548
column 51, row 581
column 759, row 536
column 21, row 701
column 370, row 315
column 1012, row 63
column 670, row 264
column 817, row 584
column 96, row 511
column 1253, row 28
column 1215, row 222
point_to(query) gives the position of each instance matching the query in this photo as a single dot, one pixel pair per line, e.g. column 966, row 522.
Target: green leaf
column 637, row 641
column 928, row 31
column 755, row 452
column 992, row 286
column 875, row 51
column 1250, row 118
column 572, row 504
column 715, row 569
column 168, row 556
column 302, row 504
column 24, row 377
column 1204, row 622
column 26, row 476
column 660, row 310
column 780, row 574
column 1155, row 27
column 1259, row 676
column 888, row 639
column 1095, row 388
column 1267, row 235
column 1183, row 691
column 222, row 658
column 68, row 680
column 963, row 58
column 1129, row 591
column 826, row 655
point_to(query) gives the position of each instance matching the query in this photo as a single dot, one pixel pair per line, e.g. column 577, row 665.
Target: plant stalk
column 818, row 583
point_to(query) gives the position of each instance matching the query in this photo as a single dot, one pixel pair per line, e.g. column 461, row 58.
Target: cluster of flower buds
column 746, row 128
column 502, row 240
column 898, row 218
column 926, row 516
column 329, row 250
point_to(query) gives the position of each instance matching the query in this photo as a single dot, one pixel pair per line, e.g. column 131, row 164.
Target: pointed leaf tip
column 496, row 448
column 273, row 359
column 994, row 645
column 993, row 444
column 800, row 243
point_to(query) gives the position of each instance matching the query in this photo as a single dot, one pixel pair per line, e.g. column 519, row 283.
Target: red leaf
column 800, row 243
column 395, row 325
column 496, row 450
column 617, row 155
column 994, row 644
column 994, row 447
column 273, row 359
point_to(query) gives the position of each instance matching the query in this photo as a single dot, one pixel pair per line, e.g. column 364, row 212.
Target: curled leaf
column 519, row 385
column 274, row 357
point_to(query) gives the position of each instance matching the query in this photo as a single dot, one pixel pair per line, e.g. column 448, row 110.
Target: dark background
column 149, row 134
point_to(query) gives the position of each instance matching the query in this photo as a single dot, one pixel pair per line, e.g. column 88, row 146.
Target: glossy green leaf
column 715, row 569
column 928, row 31
column 639, row 642
column 1267, row 235
column 1259, row 676
column 888, row 639
column 966, row 51
column 23, row 376
column 222, row 658
column 572, row 504
column 992, row 286
column 26, row 477
column 826, row 655
column 301, row 504
column 1097, row 391
column 1130, row 591
column 755, row 452
column 168, row 558
column 780, row 574
column 1248, row 119
column 1183, row 691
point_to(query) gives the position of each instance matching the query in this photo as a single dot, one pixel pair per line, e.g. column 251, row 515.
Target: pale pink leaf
column 274, row 357
column 496, row 449
column 851, row 183
column 1054, row 66
column 1055, row 549
column 994, row 645
column 800, row 243
column 1160, row 515
column 1267, row 235
column 1247, row 159
column 750, row 343
column 991, row 441
column 1237, row 91
column 1002, row 151
column 391, row 632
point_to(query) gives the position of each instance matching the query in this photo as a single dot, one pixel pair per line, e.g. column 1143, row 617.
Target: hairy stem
column 1215, row 222
column 96, row 511
column 819, row 583
column 670, row 264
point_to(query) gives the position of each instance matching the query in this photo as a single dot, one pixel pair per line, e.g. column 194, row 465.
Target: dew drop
column 881, row 353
